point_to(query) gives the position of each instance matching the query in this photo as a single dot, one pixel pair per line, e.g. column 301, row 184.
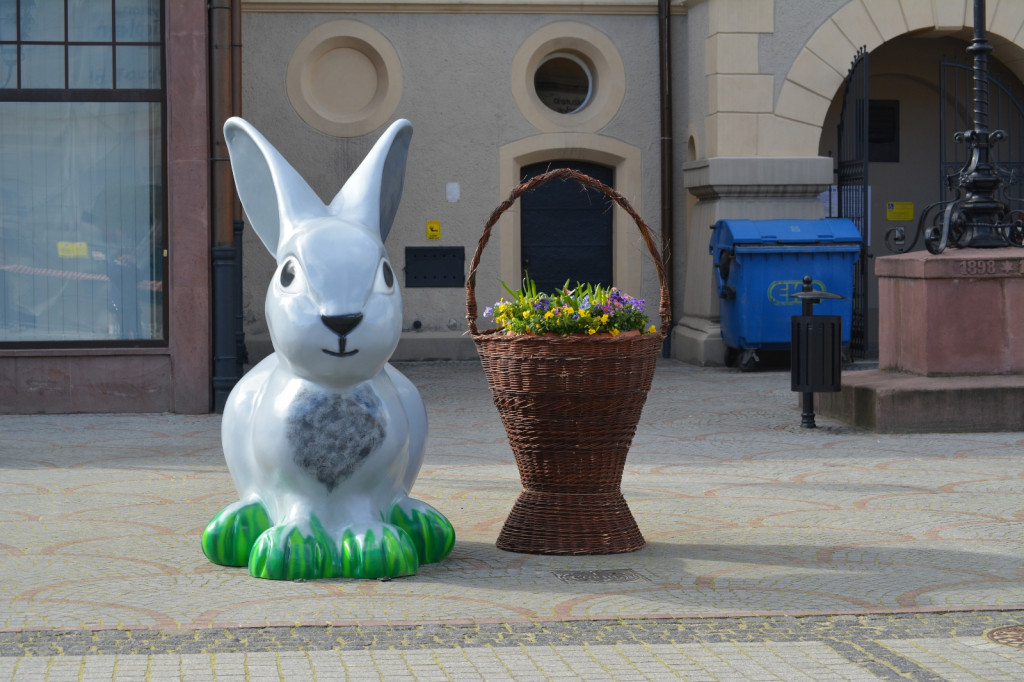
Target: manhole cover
column 616, row 575
column 1010, row 635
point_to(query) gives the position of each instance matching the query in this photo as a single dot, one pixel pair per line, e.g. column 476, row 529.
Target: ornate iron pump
column 977, row 218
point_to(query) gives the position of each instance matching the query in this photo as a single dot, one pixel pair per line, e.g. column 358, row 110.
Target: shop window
column 82, row 217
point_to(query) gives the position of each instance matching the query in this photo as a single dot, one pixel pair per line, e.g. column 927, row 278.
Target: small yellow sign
column 899, row 210
column 72, row 250
column 433, row 229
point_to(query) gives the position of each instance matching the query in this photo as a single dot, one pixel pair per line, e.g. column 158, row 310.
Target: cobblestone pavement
column 773, row 552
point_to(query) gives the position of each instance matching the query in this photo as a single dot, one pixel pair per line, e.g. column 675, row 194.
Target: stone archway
column 818, row 71
column 762, row 140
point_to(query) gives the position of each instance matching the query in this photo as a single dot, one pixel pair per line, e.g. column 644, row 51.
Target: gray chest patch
column 332, row 434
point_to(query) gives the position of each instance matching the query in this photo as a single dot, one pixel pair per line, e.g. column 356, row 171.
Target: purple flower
column 488, row 311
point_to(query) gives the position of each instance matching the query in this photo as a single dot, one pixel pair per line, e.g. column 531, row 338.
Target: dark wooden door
column 566, row 228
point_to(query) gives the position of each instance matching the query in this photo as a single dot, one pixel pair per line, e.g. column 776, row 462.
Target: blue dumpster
column 759, row 263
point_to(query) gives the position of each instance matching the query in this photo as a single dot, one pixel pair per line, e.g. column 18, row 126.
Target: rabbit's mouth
column 340, row 353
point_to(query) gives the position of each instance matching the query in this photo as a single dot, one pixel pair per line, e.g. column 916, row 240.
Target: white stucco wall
column 457, row 92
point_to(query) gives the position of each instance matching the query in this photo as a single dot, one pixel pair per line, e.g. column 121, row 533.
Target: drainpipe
column 224, row 252
column 667, row 214
column 241, row 354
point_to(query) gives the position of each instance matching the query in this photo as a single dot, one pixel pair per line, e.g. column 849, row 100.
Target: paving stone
column 817, row 554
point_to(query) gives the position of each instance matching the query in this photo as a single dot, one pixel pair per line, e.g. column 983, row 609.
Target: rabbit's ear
column 370, row 196
column 273, row 193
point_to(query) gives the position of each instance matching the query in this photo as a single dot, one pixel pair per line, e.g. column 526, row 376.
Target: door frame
column 624, row 159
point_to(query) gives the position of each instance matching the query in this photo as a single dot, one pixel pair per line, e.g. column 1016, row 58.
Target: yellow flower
column 569, row 311
column 652, row 329
column 584, row 313
column 548, row 315
column 604, row 319
column 614, row 332
column 526, row 314
column 591, row 331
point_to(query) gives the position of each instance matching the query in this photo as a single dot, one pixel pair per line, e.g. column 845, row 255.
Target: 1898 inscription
column 976, row 268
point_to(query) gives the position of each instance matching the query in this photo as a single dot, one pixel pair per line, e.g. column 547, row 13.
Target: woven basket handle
column 665, row 309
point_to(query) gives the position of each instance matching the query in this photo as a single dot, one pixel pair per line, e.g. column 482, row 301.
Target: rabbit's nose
column 342, row 324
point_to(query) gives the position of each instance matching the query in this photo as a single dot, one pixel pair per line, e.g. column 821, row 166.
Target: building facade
column 694, row 110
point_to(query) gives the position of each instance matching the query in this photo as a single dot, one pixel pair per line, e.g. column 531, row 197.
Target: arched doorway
column 906, row 110
column 566, row 229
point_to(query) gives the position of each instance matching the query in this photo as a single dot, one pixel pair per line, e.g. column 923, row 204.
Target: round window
column 563, row 83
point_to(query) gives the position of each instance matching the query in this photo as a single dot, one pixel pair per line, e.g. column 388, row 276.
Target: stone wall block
column 952, row 14
column 730, row 53
column 918, row 14
column 732, row 134
column 810, row 72
column 740, row 93
column 887, row 17
column 777, row 136
column 1007, row 19
column 741, row 16
column 832, row 47
column 800, row 104
column 858, row 26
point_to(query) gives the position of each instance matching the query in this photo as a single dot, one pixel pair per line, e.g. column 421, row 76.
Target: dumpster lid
column 830, row 230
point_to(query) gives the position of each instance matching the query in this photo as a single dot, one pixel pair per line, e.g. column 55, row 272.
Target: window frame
column 104, row 95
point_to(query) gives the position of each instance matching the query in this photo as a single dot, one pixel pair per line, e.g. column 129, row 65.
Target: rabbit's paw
column 293, row 551
column 230, row 535
column 377, row 551
column 430, row 531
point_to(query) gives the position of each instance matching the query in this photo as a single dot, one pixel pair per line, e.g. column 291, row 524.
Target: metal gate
column 1006, row 112
column 852, row 184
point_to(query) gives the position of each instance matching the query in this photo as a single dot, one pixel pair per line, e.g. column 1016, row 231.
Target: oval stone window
column 563, row 83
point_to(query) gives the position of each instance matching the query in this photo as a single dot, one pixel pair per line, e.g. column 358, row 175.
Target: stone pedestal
column 951, row 346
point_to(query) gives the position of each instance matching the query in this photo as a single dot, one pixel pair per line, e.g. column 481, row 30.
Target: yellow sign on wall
column 899, row 210
column 433, row 229
column 72, row 250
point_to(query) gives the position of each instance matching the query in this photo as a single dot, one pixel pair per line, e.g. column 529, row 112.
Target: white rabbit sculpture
column 324, row 438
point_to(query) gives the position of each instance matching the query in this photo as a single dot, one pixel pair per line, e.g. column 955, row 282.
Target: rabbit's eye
column 287, row 273
column 384, row 280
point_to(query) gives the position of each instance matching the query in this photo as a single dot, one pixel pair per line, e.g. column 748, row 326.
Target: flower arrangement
column 586, row 309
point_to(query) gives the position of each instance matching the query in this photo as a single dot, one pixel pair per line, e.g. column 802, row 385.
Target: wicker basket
column 570, row 406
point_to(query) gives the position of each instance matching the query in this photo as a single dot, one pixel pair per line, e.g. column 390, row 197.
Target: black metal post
column 982, row 212
column 977, row 218
column 241, row 353
column 807, row 309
